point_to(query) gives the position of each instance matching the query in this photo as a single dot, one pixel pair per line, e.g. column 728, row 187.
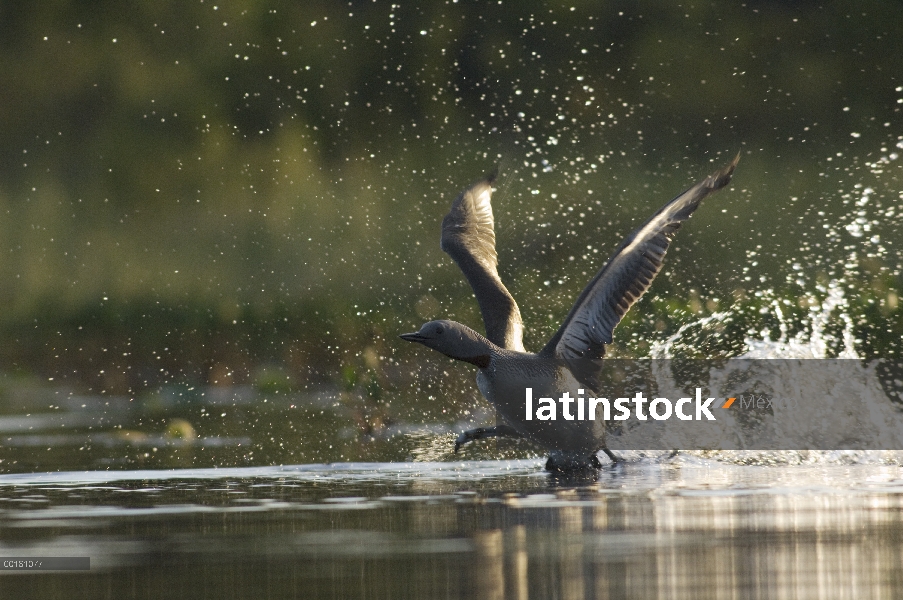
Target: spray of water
column 827, row 331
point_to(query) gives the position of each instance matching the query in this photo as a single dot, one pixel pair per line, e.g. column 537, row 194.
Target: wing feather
column 468, row 236
column 627, row 275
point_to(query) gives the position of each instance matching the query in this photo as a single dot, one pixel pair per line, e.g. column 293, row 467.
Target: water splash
column 826, row 331
column 813, row 340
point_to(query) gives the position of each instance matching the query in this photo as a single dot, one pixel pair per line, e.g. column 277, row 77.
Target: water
column 681, row 528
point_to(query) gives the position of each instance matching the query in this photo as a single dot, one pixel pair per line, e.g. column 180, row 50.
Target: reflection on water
column 685, row 527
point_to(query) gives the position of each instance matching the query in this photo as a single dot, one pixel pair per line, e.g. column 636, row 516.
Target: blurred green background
column 251, row 192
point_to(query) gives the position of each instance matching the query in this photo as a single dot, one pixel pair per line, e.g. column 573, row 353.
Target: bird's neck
column 480, row 360
column 476, row 350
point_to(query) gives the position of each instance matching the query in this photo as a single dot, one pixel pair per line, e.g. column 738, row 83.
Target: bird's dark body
column 503, row 384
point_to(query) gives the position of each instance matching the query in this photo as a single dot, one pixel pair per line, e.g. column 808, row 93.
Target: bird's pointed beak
column 412, row 337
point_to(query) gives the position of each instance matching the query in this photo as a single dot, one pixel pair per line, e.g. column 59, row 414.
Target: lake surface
column 684, row 526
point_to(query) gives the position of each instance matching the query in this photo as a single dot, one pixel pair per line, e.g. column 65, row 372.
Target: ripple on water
column 472, row 518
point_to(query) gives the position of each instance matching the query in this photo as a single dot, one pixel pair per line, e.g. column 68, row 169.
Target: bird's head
column 454, row 340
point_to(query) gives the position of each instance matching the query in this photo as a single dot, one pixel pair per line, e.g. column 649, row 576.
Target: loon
column 572, row 357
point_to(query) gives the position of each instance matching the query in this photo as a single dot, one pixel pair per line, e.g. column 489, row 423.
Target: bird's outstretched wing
column 627, row 275
column 468, row 236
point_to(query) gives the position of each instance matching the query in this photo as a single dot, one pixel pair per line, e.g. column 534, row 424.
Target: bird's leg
column 485, row 432
column 614, row 457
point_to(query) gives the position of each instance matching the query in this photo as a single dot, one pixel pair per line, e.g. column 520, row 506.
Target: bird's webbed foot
column 484, row 432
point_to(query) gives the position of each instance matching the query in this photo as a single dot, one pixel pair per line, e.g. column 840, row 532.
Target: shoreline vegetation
column 204, row 194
